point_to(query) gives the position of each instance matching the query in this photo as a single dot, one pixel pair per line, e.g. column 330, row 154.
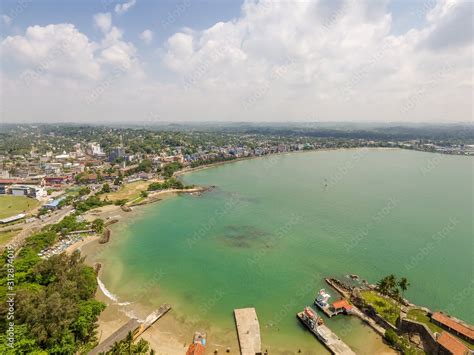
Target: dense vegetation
column 171, row 183
column 390, row 286
column 170, row 169
column 90, row 203
column 126, row 346
column 55, row 309
column 18, row 139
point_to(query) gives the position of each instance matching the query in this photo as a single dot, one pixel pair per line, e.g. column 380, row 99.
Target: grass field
column 387, row 308
column 127, row 191
column 5, row 237
column 13, row 205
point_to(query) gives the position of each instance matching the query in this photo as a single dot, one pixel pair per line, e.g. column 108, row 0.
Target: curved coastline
column 118, row 312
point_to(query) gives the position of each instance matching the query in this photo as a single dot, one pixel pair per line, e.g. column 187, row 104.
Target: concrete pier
column 248, row 330
column 327, row 337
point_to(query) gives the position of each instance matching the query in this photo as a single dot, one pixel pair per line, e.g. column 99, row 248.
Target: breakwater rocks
column 105, row 236
column 111, row 221
column 126, row 208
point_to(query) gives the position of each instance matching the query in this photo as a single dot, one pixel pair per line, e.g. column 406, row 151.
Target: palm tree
column 383, row 285
column 141, row 347
column 403, row 284
column 391, row 283
column 116, row 348
column 129, row 342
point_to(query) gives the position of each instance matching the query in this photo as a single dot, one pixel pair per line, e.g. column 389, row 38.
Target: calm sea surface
column 274, row 227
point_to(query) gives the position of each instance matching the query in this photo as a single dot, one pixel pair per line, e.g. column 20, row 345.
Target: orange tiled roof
column 196, row 349
column 450, row 343
column 451, row 323
column 341, row 304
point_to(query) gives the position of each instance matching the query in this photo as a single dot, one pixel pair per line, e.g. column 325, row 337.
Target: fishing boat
column 325, row 335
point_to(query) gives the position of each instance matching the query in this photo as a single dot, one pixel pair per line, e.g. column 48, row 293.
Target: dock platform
column 248, row 330
column 134, row 326
column 327, row 337
column 326, row 309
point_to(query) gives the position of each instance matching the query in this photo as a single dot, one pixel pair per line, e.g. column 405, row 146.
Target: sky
column 145, row 61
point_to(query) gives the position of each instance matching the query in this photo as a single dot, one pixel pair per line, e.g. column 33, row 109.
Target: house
column 110, row 177
column 89, row 179
column 145, row 176
column 450, row 345
column 454, row 325
column 53, row 205
column 341, row 306
column 56, row 180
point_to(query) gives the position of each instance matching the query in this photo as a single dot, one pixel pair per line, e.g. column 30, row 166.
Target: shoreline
column 167, row 335
column 212, row 165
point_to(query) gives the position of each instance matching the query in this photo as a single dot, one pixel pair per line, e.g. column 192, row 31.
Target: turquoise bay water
column 274, row 227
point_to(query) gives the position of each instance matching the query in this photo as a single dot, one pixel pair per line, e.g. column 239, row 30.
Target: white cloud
column 122, row 8
column 103, row 21
column 7, row 20
column 335, row 60
column 115, row 51
column 54, row 50
column 326, row 60
column 146, row 36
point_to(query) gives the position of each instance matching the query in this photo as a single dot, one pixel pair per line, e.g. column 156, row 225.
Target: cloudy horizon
column 138, row 61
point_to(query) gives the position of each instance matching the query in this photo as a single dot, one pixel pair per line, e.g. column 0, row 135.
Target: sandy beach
column 167, row 335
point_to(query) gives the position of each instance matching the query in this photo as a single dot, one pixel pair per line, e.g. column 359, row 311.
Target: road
column 35, row 226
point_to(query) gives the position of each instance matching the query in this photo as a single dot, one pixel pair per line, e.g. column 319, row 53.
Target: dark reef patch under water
column 244, row 236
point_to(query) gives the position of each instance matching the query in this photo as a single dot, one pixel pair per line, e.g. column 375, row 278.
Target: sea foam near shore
column 110, row 295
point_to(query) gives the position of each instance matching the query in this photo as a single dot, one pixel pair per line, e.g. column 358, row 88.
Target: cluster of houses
column 31, row 175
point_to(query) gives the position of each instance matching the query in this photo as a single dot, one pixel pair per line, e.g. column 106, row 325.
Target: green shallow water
column 274, row 227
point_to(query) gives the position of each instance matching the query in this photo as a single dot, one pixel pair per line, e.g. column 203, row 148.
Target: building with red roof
column 453, row 325
column 196, row 349
column 452, row 345
column 341, row 306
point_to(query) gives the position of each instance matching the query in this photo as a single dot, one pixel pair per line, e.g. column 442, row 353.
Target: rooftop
column 12, row 218
column 341, row 304
column 196, row 349
column 450, row 343
column 54, row 203
column 454, row 324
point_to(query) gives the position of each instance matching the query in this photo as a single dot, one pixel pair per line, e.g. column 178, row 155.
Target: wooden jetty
column 134, row 326
column 325, row 335
column 248, row 330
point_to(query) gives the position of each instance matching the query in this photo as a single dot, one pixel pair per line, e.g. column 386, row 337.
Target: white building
column 27, row 190
column 95, row 149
